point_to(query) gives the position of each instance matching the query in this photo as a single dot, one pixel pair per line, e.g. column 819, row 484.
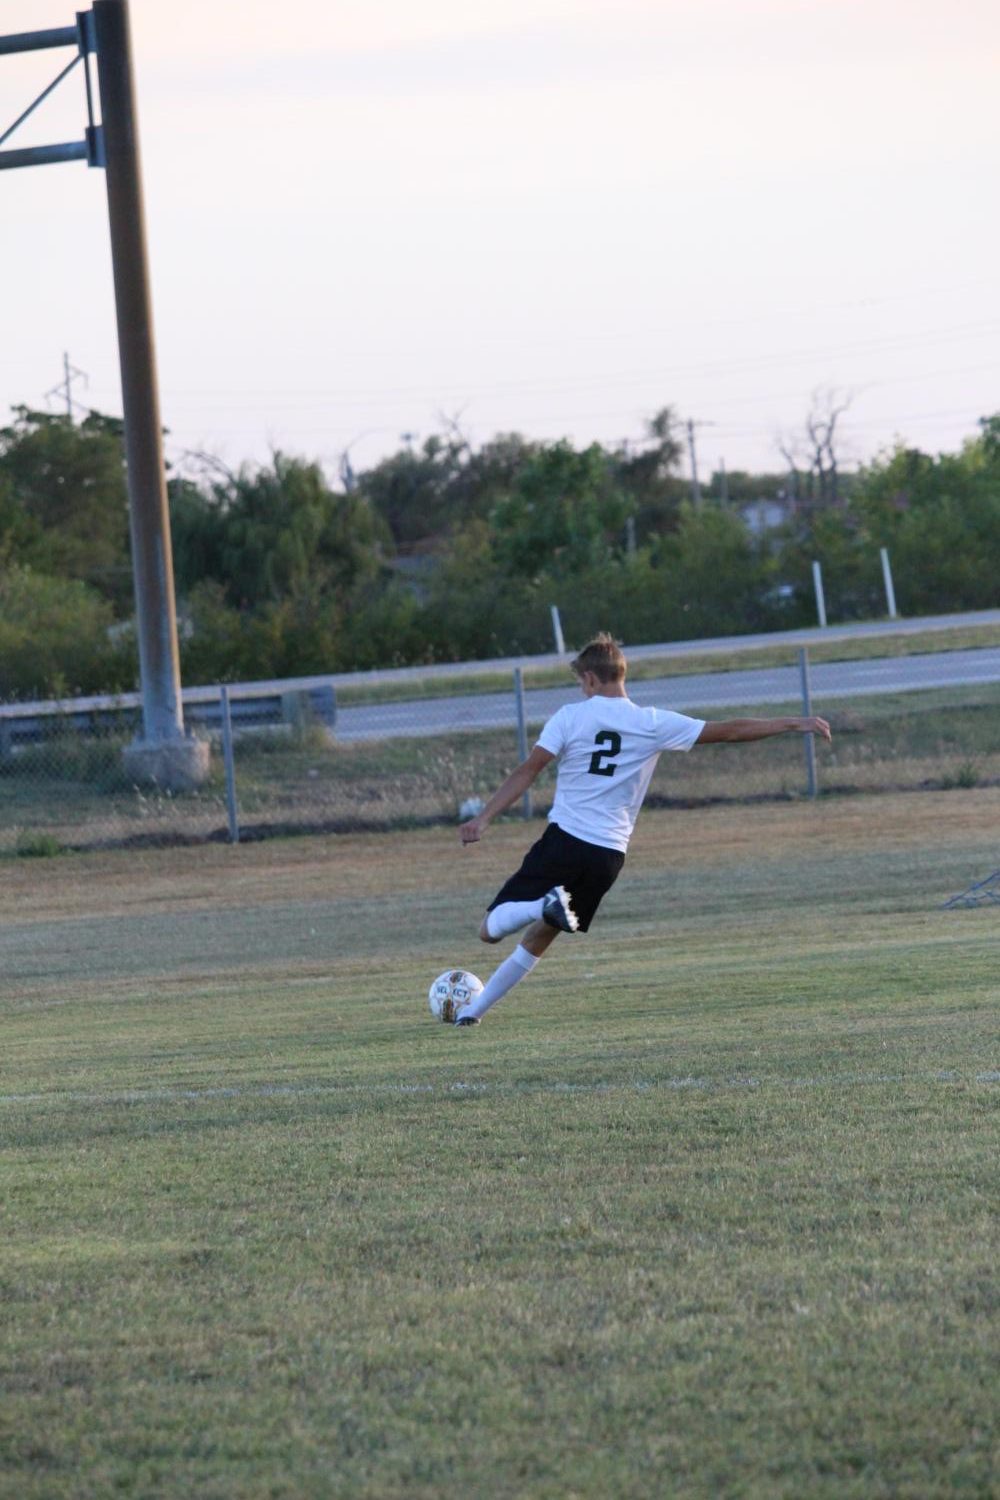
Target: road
column 807, row 637
column 763, row 687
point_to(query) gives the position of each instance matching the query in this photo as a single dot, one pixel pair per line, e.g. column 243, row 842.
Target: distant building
column 763, row 515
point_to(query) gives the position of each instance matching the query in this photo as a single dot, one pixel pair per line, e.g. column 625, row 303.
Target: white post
column 229, row 762
column 557, row 631
column 820, row 601
column 522, row 734
column 890, row 592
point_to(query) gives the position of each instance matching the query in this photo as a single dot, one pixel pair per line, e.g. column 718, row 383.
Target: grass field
column 707, row 1207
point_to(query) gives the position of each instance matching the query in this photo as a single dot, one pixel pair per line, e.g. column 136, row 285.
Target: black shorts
column 588, row 871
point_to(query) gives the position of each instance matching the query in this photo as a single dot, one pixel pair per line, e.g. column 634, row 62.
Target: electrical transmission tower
column 65, row 387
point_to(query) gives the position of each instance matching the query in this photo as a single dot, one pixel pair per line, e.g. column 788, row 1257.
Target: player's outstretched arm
column 735, row 731
column 506, row 794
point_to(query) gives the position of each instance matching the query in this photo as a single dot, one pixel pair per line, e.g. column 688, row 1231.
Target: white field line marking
column 444, row 1090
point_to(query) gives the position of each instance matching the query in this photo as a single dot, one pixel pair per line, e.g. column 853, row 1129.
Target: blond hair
column 604, row 657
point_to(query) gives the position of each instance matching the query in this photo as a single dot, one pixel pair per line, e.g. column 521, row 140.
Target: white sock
column 511, row 916
column 513, row 969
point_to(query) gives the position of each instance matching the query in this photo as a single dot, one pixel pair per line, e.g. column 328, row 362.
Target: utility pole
column 163, row 753
column 690, row 426
column 695, row 486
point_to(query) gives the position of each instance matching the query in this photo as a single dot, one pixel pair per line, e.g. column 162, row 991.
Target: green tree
column 628, row 596
column 197, row 530
column 564, row 511
column 276, row 533
column 271, row 565
column 474, row 608
column 58, row 637
column 485, row 477
column 64, row 502
column 426, row 496
column 940, row 518
column 989, row 441
column 412, row 490
column 714, row 575
column 944, row 555
column 852, row 578
column 648, row 476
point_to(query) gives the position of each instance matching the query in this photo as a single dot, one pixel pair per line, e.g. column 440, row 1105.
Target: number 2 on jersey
column 613, row 740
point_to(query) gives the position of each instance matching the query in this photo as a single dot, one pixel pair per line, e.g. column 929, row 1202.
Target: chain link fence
column 391, row 751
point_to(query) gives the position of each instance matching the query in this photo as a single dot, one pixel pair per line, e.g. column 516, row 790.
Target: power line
column 724, row 364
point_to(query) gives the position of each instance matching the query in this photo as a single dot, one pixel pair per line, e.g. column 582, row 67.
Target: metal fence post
column 230, row 763
column 810, row 740
column 557, row 630
column 522, row 734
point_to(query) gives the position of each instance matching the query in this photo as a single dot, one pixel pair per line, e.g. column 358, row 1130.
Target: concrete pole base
column 179, row 765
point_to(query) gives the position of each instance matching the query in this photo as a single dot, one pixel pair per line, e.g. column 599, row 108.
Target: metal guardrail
column 252, row 705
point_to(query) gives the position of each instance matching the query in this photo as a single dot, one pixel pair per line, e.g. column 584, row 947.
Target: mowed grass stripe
column 154, row 1096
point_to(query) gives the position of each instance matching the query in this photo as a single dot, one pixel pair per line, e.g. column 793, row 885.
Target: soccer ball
column 450, row 991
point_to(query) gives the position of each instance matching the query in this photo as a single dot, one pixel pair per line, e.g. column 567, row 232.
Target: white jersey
column 607, row 750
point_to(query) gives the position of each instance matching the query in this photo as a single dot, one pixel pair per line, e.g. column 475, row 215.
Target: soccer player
column 607, row 748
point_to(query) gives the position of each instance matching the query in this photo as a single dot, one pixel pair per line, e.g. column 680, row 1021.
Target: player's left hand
column 472, row 831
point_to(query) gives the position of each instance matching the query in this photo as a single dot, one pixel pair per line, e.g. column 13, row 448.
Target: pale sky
column 547, row 216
